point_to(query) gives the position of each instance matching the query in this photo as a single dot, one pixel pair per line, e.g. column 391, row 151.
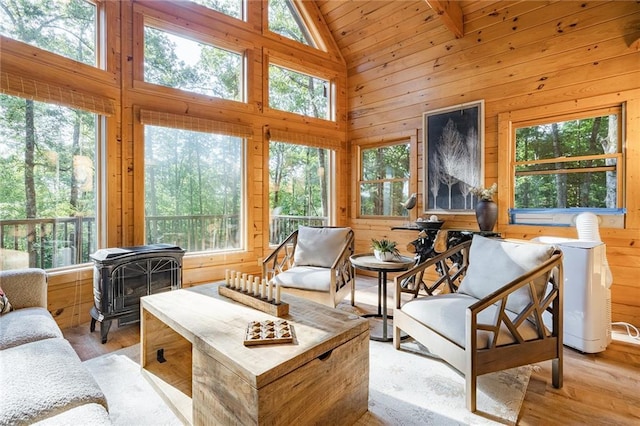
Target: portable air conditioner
column 587, row 296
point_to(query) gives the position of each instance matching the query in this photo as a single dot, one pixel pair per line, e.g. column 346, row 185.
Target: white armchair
column 313, row 262
column 489, row 318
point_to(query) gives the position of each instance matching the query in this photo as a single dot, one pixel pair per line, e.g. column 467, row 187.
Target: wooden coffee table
column 192, row 352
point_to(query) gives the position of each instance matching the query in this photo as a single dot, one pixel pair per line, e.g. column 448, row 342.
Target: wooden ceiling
column 360, row 26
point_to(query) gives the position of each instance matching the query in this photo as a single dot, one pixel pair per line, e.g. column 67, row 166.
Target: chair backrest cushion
column 494, row 263
column 319, row 246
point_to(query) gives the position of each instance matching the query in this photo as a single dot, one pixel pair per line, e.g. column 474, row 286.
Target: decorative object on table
column 486, row 208
column 453, row 156
column 253, row 292
column 268, row 332
column 384, row 249
column 431, row 223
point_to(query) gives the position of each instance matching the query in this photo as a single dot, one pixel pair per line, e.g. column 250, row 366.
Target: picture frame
column 453, row 157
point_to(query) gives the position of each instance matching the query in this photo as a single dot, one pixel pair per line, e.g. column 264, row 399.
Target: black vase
column 486, row 214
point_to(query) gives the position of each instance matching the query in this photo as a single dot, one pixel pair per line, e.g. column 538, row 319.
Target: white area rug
column 405, row 388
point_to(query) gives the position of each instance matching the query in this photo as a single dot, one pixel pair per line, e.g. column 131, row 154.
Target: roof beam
column 450, row 13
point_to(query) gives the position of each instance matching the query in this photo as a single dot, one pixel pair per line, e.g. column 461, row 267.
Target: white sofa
column 43, row 380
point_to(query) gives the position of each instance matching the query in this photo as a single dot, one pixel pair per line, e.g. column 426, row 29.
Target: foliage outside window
column 232, row 8
column 64, row 27
column 569, row 163
column 299, row 182
column 48, row 190
column 193, row 189
column 298, row 93
column 180, row 63
column 285, row 20
column 384, row 182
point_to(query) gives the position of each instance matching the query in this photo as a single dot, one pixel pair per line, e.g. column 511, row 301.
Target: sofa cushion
column 26, row 288
column 305, row 278
column 494, row 263
column 319, row 246
column 88, row 414
column 5, row 306
column 446, row 313
column 42, row 379
column 27, row 325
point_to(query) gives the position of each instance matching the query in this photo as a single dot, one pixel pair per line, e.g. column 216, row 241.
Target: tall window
column 65, row 27
column 47, row 184
column 193, row 189
column 299, row 188
column 298, row 93
column 285, row 20
column 384, row 180
column 181, row 63
column 569, row 162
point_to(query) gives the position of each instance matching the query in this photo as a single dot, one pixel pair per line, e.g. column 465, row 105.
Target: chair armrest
column 551, row 271
column 281, row 258
column 25, row 288
column 451, row 272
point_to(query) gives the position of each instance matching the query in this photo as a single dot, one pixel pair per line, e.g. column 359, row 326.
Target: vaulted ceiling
column 359, row 26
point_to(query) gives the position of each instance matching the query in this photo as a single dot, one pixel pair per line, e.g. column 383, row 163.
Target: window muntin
column 574, row 162
column 299, row 188
column 178, row 62
column 299, row 93
column 231, row 8
column 48, row 191
column 64, row 27
column 384, row 181
column 285, row 20
column 194, row 187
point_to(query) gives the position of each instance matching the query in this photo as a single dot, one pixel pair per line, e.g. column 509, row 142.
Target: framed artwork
column 453, row 157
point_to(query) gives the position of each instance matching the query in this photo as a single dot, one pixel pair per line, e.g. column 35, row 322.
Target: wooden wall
column 402, row 61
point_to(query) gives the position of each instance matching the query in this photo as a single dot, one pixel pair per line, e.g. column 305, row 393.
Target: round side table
column 368, row 262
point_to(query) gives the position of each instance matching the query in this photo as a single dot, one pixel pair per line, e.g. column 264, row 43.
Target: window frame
column 272, row 58
column 360, row 181
column 181, row 32
column 508, row 122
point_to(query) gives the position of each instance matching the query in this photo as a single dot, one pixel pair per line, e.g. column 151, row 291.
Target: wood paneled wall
column 402, row 61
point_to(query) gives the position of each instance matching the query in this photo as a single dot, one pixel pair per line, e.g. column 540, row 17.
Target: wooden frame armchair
column 313, row 262
column 488, row 315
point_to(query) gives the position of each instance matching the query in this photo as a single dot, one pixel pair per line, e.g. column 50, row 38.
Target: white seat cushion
column 493, row 263
column 305, row 277
column 27, row 325
column 42, row 379
column 446, row 314
column 319, row 246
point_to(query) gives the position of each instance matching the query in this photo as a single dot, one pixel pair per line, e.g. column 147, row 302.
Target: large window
column 299, row 188
column 193, row 189
column 558, row 166
column 384, row 180
column 569, row 162
column 65, row 27
column 48, row 184
column 299, row 93
column 181, row 63
column 285, row 20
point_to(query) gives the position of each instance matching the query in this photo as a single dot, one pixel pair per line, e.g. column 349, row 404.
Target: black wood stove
column 123, row 275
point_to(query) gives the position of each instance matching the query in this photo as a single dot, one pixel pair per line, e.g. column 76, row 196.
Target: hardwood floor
column 599, row 389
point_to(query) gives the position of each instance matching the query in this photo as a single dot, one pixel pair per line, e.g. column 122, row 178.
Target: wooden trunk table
column 192, row 352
